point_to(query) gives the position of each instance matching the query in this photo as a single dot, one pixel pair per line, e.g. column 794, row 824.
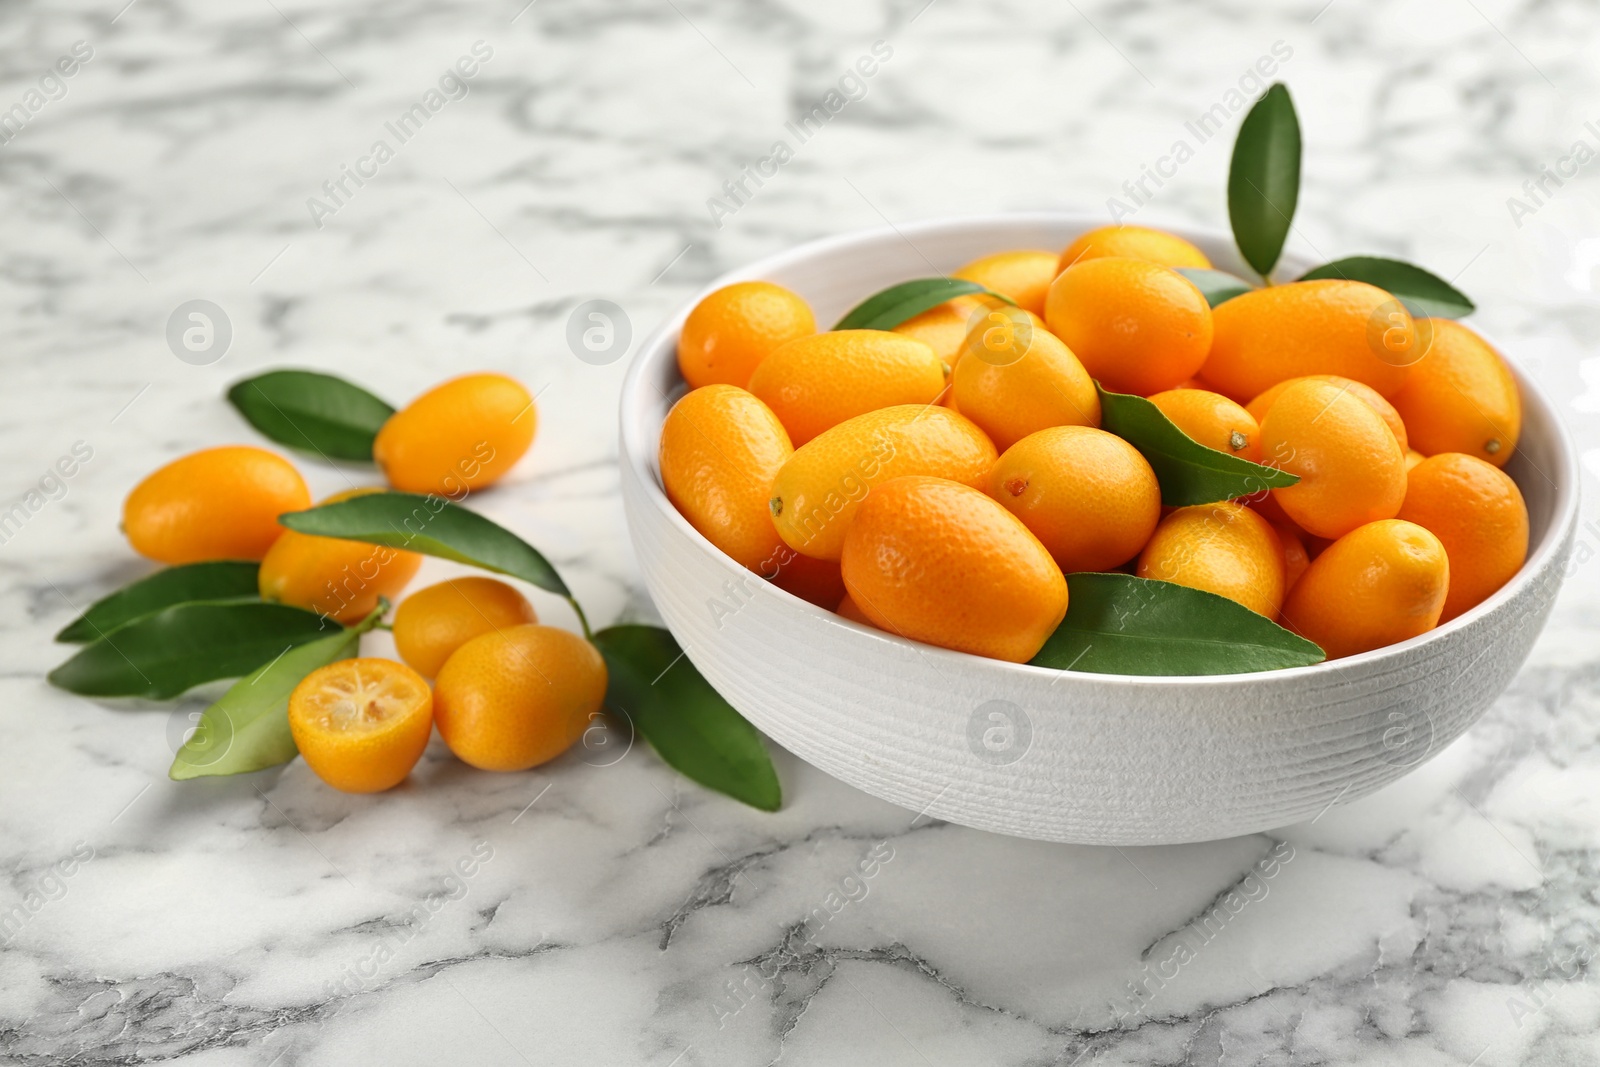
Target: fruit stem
column 583, row 620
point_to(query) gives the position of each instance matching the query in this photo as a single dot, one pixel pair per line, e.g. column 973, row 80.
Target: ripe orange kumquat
column 432, row 623
column 944, row 327
column 1477, row 512
column 1331, row 326
column 720, row 450
column 816, row 493
column 1259, row 407
column 1213, row 420
column 1379, row 584
column 1088, row 496
column 460, row 436
column 1461, row 397
column 1223, row 548
column 361, row 724
column 1022, row 276
column 341, row 580
column 1015, row 377
column 514, row 698
column 1136, row 326
column 1296, row 558
column 732, row 330
column 937, row 561
column 816, row 581
column 218, row 503
column 814, row 383
column 1351, row 469
column 1135, row 242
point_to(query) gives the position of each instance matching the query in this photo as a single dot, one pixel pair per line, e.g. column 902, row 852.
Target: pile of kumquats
column 1052, row 449
column 261, row 586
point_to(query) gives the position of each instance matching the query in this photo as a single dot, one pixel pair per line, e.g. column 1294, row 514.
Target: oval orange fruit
column 1136, row 326
column 1223, row 548
column 1477, row 512
column 1331, row 326
column 814, row 383
column 1461, row 397
column 732, row 330
column 459, row 436
column 337, row 579
column 512, row 699
column 1023, row 276
column 1213, row 420
column 936, row 561
column 720, row 449
column 218, row 503
column 1088, row 496
column 1351, row 468
column 430, row 624
column 1135, row 242
column 1379, row 584
column 1015, row 377
column 816, row 493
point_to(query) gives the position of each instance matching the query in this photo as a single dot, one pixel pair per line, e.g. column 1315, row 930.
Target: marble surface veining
column 600, row 909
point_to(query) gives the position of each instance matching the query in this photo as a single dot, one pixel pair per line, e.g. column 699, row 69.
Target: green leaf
column 1424, row 294
column 685, row 720
column 1120, row 624
column 219, row 580
column 1218, row 286
column 1189, row 472
column 312, row 412
column 178, row 648
column 896, row 304
column 433, row 526
column 1264, row 179
column 248, row 729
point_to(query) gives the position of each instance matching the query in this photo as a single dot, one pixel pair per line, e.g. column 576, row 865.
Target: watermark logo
column 1406, row 742
column 455, row 83
column 599, row 332
column 38, row 893
column 608, row 738
column 999, row 336
column 51, row 87
column 1396, row 336
column 999, row 732
column 1251, row 83
column 208, row 739
column 199, row 332
column 51, row 486
column 851, row 86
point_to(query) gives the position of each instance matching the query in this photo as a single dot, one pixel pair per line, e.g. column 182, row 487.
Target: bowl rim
column 639, row 456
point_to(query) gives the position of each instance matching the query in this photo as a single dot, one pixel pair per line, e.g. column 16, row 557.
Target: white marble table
column 615, row 914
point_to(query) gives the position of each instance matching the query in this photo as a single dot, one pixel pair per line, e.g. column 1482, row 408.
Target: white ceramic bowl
column 1061, row 756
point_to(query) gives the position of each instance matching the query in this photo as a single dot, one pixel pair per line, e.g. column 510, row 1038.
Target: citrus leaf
column 1189, row 472
column 433, row 526
column 1264, row 179
column 1218, row 286
column 248, row 728
column 218, row 580
column 312, row 412
column 685, row 720
column 178, row 648
column 1120, row 624
column 1424, row 293
column 896, row 304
